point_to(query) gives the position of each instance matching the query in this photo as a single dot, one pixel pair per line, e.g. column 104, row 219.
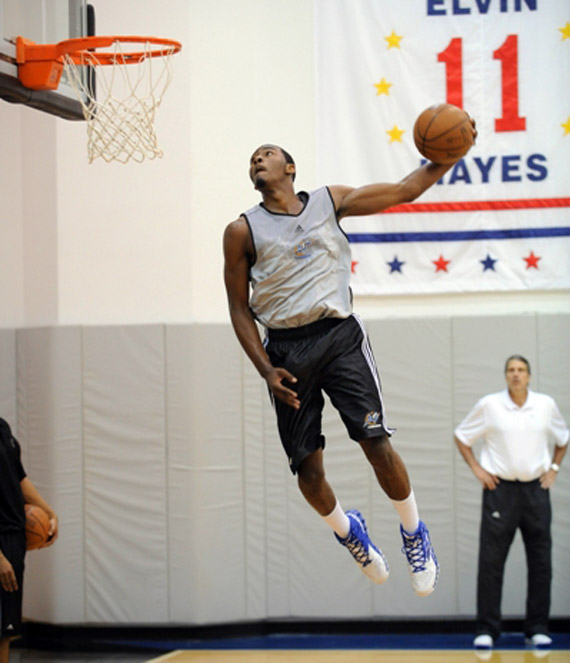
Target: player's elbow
column 460, row 443
column 410, row 191
column 239, row 310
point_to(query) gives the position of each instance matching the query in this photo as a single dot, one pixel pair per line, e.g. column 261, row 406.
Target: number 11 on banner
column 507, row 53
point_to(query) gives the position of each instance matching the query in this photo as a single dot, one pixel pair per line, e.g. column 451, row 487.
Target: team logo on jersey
column 302, row 250
column 371, row 420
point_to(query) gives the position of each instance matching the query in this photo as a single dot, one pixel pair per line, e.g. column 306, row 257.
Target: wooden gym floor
column 407, row 647
column 362, row 656
column 297, row 656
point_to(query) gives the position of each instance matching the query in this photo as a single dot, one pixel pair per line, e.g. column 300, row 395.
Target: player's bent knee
column 311, row 471
column 310, row 476
column 376, row 445
column 379, row 451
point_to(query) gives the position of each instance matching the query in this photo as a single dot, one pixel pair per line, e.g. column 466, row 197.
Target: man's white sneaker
column 483, row 641
column 539, row 640
column 422, row 562
column 367, row 556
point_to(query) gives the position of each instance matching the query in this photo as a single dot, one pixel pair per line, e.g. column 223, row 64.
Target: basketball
column 443, row 133
column 37, row 527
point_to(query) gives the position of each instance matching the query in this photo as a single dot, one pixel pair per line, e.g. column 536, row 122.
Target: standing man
column 16, row 489
column 292, row 252
column 516, row 472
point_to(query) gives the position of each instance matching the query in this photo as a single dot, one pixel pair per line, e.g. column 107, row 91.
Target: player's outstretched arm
column 374, row 198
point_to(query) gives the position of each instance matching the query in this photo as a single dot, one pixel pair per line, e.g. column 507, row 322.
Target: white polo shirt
column 515, row 439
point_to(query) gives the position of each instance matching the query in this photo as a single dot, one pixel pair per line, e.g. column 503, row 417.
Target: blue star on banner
column 488, row 263
column 395, row 265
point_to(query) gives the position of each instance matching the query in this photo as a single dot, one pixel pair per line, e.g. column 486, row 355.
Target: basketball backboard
column 44, row 23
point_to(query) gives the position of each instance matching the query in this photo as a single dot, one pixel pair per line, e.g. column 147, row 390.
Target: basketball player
column 16, row 489
column 291, row 249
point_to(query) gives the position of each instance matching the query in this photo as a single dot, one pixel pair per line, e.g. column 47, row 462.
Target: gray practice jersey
column 302, row 264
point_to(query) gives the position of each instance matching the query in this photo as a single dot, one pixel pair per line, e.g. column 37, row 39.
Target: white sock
column 338, row 520
column 408, row 511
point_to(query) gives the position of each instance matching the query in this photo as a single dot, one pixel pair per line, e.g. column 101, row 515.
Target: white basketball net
column 120, row 114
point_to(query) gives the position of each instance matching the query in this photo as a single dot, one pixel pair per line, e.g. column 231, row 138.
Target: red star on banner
column 441, row 264
column 353, row 266
column 532, row 260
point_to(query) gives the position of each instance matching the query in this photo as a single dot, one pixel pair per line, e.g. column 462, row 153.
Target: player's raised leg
column 392, row 476
column 349, row 527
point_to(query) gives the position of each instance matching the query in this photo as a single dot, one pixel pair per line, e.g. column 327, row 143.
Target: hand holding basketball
column 444, row 133
column 38, row 526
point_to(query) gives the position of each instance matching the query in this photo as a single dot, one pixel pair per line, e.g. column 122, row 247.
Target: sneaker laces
column 414, row 551
column 358, row 551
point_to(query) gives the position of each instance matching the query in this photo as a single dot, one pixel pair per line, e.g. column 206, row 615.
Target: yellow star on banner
column 394, row 40
column 382, row 87
column 566, row 126
column 565, row 31
column 395, row 134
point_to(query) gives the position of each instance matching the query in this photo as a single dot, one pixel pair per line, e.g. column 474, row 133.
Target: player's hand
column 487, row 480
column 8, row 580
column 473, row 129
column 547, row 479
column 53, row 531
column 275, row 380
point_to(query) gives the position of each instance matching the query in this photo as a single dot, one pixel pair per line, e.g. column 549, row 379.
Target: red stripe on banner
column 479, row 205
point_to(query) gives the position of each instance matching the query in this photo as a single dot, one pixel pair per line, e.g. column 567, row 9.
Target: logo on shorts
column 371, row 420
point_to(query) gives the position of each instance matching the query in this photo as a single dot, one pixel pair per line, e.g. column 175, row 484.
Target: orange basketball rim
column 40, row 65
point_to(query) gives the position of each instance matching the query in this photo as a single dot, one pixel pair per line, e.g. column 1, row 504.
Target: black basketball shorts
column 333, row 356
column 13, row 546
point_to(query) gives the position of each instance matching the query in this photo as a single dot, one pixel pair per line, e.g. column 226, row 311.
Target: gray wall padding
column 157, row 446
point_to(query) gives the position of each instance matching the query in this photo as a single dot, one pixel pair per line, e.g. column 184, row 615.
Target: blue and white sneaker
column 422, row 562
column 483, row 641
column 367, row 556
column 539, row 641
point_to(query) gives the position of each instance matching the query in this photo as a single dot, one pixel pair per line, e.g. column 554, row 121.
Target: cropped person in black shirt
column 16, row 490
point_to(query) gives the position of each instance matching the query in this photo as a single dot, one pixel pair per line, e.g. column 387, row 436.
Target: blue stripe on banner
column 457, row 236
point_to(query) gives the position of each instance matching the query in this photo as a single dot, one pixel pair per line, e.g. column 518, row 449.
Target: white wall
column 11, row 249
column 115, row 244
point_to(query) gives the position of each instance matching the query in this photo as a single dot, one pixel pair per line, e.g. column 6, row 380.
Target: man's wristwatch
column 554, row 466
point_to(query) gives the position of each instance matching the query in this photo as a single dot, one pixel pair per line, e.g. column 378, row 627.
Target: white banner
column 500, row 218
